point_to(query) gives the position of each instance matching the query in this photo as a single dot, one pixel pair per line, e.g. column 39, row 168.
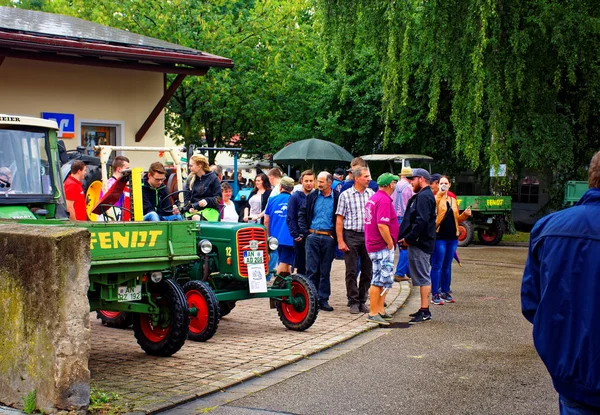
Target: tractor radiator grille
column 244, row 236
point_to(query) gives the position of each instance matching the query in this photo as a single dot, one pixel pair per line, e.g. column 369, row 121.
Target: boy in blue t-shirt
column 276, row 224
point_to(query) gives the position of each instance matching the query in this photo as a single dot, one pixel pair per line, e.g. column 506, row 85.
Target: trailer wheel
column 168, row 335
column 301, row 315
column 466, row 232
column 116, row 319
column 225, row 307
column 199, row 296
column 493, row 235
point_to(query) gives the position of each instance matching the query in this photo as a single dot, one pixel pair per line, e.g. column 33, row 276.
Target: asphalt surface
column 476, row 356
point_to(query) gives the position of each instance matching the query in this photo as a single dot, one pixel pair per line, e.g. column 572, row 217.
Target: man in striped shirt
column 350, row 230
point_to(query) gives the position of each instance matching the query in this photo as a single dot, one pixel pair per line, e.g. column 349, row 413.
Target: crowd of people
column 345, row 214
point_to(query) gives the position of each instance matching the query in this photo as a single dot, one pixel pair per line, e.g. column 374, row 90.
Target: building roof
column 52, row 37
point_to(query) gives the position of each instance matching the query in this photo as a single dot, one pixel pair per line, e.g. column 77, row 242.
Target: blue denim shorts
column 383, row 268
column 287, row 254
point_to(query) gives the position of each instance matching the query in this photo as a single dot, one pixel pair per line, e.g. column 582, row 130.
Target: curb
column 392, row 308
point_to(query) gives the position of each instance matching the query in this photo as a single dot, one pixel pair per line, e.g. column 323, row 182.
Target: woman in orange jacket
column 446, row 242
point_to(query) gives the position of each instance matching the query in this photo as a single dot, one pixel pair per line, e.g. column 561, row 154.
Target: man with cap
column 276, row 224
column 381, row 228
column 350, row 229
column 417, row 233
column 402, row 194
column 338, row 178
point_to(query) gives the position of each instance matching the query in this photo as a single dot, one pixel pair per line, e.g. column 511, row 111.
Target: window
column 528, row 190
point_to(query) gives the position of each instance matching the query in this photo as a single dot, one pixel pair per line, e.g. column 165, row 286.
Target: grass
column 29, row 402
column 518, row 237
column 100, row 403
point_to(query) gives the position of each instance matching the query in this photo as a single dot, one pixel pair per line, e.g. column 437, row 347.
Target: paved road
column 475, row 357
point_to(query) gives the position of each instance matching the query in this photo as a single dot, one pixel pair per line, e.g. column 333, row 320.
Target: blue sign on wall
column 66, row 123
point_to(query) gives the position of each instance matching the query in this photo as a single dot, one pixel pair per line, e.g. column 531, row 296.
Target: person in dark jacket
column 203, row 184
column 317, row 223
column 417, row 233
column 154, row 192
column 297, row 200
column 559, row 296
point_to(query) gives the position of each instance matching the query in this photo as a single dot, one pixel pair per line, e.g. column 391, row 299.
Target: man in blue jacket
column 307, row 181
column 317, row 221
column 559, row 296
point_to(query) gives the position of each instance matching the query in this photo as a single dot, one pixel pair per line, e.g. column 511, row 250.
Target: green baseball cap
column 386, row 178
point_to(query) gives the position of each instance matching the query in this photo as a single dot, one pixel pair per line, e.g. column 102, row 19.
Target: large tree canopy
column 516, row 82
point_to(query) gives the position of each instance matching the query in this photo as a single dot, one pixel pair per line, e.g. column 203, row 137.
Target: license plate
column 126, row 293
column 253, row 257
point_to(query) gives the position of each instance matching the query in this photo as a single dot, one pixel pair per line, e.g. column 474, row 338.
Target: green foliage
column 101, row 402
column 29, row 402
column 511, row 83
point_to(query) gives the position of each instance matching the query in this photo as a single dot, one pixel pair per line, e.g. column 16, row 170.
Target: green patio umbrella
column 312, row 151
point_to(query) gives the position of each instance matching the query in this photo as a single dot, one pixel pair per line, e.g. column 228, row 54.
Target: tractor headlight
column 205, row 246
column 273, row 243
column 156, row 277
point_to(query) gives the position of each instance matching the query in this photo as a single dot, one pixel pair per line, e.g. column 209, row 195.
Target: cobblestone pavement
column 249, row 342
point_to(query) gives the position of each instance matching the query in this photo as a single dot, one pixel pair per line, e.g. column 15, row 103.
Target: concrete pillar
column 44, row 316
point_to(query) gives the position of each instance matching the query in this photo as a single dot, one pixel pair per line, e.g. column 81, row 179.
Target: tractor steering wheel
column 172, row 199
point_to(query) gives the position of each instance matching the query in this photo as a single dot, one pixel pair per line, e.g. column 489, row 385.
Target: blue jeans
column 320, row 250
column 402, row 267
column 154, row 217
column 441, row 265
column 569, row 407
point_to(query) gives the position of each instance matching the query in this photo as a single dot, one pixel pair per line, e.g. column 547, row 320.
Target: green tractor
column 169, row 277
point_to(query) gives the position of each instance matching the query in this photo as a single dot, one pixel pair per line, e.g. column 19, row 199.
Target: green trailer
column 491, row 218
column 573, row 192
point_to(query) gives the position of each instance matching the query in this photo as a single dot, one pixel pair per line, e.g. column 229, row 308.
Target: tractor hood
column 15, row 212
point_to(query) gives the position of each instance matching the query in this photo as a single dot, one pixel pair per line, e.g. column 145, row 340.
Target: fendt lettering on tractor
column 171, row 280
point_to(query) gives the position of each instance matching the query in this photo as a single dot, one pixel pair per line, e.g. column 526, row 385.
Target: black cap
column 339, row 171
column 435, row 177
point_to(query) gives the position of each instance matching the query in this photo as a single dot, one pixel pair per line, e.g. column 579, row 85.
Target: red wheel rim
column 200, row 321
column 293, row 315
column 109, row 314
column 462, row 233
column 488, row 236
column 153, row 333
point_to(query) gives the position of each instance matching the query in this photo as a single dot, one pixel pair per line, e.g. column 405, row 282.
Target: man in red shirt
column 381, row 230
column 74, row 191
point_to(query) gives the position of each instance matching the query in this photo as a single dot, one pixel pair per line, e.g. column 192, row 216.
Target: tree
column 504, row 82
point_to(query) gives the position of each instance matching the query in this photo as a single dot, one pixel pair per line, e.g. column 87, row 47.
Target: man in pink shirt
column 381, row 233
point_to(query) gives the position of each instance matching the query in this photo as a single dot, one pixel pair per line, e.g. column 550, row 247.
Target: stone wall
column 44, row 316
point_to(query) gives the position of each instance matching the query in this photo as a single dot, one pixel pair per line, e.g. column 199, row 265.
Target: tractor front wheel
column 225, row 307
column 492, row 235
column 165, row 334
column 205, row 318
column 466, row 232
column 300, row 311
column 116, row 319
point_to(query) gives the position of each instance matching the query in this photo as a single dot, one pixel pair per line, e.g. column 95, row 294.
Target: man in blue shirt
column 276, row 224
column 316, row 220
column 297, row 200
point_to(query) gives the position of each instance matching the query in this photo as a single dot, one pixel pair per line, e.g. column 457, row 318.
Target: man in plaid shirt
column 350, row 229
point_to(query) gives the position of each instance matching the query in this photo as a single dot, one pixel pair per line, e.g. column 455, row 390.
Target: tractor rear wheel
column 466, row 232
column 199, row 296
column 165, row 336
column 116, row 319
column 225, row 307
column 302, row 313
column 493, row 235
